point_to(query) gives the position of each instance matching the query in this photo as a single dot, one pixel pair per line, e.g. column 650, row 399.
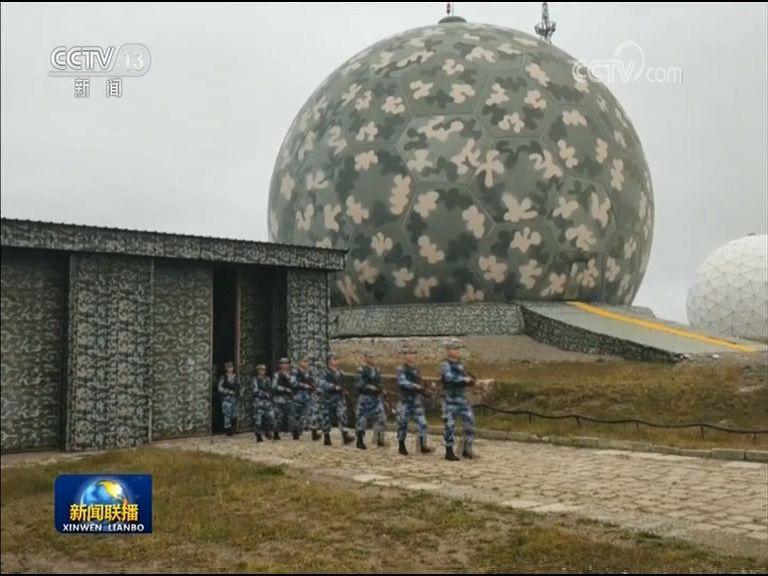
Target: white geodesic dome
column 729, row 295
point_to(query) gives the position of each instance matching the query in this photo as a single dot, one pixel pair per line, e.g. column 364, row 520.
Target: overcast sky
column 190, row 146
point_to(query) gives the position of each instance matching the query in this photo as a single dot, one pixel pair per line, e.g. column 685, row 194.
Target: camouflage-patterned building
column 110, row 337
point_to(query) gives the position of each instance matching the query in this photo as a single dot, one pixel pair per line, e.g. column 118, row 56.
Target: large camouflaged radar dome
column 465, row 162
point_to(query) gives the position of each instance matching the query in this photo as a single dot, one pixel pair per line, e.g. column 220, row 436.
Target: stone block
column 727, row 454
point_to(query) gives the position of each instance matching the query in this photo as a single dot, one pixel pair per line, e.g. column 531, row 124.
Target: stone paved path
column 711, row 502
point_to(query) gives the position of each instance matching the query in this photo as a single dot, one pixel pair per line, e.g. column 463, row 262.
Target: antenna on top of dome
column 546, row 27
column 450, row 16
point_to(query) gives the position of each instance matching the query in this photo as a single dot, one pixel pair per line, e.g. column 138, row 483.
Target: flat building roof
column 15, row 233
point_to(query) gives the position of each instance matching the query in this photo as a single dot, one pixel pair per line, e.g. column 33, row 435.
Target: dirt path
column 718, row 504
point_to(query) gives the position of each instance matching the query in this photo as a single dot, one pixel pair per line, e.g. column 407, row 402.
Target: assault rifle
column 233, row 386
column 309, row 385
column 425, row 388
column 282, row 389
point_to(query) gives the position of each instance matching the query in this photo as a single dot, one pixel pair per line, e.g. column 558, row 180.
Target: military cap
column 260, row 366
column 453, row 344
column 284, row 360
column 408, row 350
column 330, row 355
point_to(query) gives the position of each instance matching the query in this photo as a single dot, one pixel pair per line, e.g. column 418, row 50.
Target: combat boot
column 423, row 448
column 228, row 431
column 315, row 435
column 327, row 439
column 449, row 455
column 380, row 441
column 467, row 452
column 360, row 442
column 401, row 448
column 276, row 435
column 296, row 434
column 258, row 437
column 268, row 434
column 346, row 437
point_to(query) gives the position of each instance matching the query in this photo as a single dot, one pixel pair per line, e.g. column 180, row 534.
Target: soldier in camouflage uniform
column 283, row 384
column 455, row 405
column 263, row 412
column 304, row 400
column 334, row 401
column 229, row 391
column 369, row 401
column 411, row 388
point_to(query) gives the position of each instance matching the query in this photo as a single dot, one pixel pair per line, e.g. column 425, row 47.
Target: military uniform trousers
column 334, row 407
column 370, row 409
column 453, row 409
column 263, row 415
column 316, row 416
column 283, row 415
column 410, row 408
column 228, row 409
column 381, row 418
column 303, row 411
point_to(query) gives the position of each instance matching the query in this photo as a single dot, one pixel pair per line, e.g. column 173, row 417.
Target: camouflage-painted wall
column 308, row 311
column 110, row 311
column 32, row 348
column 254, row 324
column 112, row 346
column 181, row 349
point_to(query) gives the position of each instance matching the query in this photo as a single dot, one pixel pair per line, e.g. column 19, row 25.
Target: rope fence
column 579, row 418
column 432, row 405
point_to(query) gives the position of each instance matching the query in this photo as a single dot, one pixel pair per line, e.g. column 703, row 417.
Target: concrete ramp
column 623, row 331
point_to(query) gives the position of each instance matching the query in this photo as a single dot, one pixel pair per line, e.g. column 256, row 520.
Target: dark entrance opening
column 225, row 333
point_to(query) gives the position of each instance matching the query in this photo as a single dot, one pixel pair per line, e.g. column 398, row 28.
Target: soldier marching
column 456, row 380
column 263, row 411
column 370, row 405
column 304, row 400
column 283, row 386
column 334, row 401
column 410, row 407
column 295, row 400
column 229, row 393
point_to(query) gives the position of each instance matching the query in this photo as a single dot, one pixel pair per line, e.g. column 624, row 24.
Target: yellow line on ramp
column 661, row 327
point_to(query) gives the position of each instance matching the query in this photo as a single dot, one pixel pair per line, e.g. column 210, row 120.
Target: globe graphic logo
column 105, row 492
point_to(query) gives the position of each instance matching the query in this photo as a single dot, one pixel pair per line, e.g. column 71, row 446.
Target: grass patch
column 730, row 396
column 221, row 514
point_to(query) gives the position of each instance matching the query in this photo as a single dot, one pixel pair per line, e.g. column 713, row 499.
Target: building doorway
column 225, row 333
